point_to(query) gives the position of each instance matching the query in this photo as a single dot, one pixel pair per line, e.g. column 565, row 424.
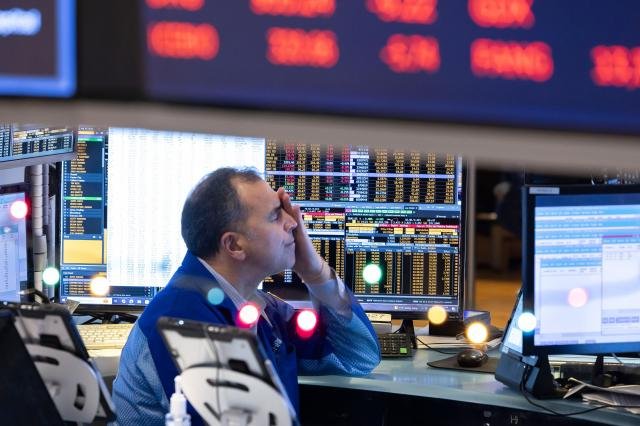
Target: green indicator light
column 50, row 276
column 372, row 273
column 403, row 350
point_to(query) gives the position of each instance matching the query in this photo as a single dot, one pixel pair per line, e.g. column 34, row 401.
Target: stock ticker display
column 570, row 64
column 397, row 209
column 27, row 144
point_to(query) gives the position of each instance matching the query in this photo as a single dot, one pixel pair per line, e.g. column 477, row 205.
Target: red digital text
column 616, row 66
column 190, row 5
column 407, row 11
column 300, row 48
column 304, row 8
column 502, row 13
column 183, row 40
column 512, row 60
column 411, row 54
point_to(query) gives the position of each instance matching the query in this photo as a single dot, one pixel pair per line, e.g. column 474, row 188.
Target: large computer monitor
column 121, row 204
column 581, row 268
column 15, row 263
column 400, row 210
column 30, row 144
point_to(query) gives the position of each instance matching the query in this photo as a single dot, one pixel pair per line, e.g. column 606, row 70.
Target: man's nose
column 290, row 223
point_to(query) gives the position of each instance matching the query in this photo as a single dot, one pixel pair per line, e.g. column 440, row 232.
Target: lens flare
column 99, row 286
column 248, row 315
column 437, row 315
column 477, row 332
column 372, row 273
column 51, row 276
column 19, row 209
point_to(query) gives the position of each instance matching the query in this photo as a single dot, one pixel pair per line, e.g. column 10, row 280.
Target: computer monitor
column 390, row 221
column 39, row 47
column 122, row 199
column 581, row 268
column 30, row 144
column 15, row 262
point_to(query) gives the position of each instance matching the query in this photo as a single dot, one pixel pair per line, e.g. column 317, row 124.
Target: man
column 239, row 231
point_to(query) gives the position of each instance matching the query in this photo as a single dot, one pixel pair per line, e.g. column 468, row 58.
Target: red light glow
column 304, row 8
column 407, row 11
column 248, row 315
column 577, row 297
column 512, row 60
column 19, row 209
column 502, row 13
column 182, row 40
column 296, row 47
column 616, row 66
column 306, row 323
column 190, row 5
column 411, row 54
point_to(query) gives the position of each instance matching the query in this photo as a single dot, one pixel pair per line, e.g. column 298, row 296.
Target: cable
column 526, row 394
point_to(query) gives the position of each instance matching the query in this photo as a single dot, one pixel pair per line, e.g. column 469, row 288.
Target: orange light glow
column 502, row 13
column 512, row 60
column 411, row 54
column 616, row 66
column 304, row 8
column 296, row 47
column 190, row 5
column 407, row 11
column 182, row 40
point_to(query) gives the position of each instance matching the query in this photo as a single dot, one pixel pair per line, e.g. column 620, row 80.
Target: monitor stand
column 407, row 328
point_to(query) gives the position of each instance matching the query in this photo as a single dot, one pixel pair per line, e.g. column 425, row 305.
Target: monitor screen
column 14, row 260
column 518, row 62
column 582, row 268
column 389, row 221
column 38, row 42
column 29, row 144
column 398, row 212
column 122, row 199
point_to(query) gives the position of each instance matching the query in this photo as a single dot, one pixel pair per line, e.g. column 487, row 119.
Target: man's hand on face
column 309, row 265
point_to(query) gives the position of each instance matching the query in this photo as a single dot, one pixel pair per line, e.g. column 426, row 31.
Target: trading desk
column 406, row 391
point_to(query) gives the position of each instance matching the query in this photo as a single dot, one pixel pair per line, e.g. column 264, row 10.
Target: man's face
column 268, row 229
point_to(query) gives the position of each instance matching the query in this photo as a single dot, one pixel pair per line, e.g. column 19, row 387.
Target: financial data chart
column 541, row 63
column 122, row 202
column 28, row 144
column 587, row 269
column 13, row 247
column 397, row 210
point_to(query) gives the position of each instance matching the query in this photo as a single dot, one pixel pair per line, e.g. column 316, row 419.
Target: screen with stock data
column 122, row 199
column 583, row 252
column 14, row 263
column 561, row 64
column 398, row 210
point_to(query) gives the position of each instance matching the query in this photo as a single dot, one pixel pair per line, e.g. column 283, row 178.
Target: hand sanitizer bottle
column 177, row 415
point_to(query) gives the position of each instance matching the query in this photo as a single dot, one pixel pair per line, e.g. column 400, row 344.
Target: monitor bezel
column 24, row 188
column 528, row 281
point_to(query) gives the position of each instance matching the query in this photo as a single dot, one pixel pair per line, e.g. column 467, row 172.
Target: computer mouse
column 472, row 358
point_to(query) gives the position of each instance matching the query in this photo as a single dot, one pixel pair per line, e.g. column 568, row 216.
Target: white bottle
column 177, row 415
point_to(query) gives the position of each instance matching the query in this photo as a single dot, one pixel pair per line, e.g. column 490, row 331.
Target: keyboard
column 104, row 336
column 395, row 345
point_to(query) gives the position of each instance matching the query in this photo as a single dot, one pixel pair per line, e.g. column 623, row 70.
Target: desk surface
column 412, row 376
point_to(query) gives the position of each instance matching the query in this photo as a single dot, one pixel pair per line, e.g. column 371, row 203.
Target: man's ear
column 232, row 243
